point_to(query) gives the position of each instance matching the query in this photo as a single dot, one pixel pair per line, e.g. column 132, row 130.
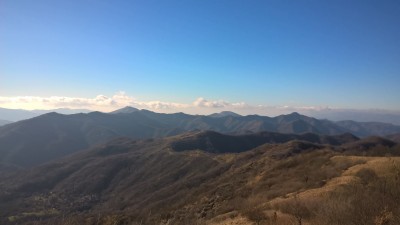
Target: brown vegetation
column 146, row 182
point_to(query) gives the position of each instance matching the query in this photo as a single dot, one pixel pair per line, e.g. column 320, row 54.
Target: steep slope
column 50, row 136
column 146, row 181
column 38, row 140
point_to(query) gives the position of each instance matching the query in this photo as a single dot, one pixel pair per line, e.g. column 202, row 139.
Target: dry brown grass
column 366, row 193
column 318, row 187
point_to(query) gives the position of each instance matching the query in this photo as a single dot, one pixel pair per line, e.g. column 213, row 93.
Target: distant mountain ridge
column 22, row 144
column 364, row 128
column 4, row 122
column 21, row 114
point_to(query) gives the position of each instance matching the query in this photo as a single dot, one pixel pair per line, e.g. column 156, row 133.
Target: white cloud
column 121, row 99
column 199, row 106
column 100, row 102
column 158, row 105
column 201, row 102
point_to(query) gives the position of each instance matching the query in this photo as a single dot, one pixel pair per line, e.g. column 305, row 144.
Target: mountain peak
column 224, row 114
column 294, row 114
column 126, row 109
column 290, row 117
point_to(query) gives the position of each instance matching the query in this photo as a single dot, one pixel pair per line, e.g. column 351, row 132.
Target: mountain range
column 51, row 136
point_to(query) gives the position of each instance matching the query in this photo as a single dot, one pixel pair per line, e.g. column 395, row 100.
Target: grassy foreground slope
column 298, row 181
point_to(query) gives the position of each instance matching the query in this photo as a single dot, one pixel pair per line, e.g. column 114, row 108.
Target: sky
column 200, row 56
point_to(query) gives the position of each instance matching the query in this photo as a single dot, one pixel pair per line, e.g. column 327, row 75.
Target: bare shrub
column 384, row 218
column 297, row 208
column 367, row 175
column 256, row 215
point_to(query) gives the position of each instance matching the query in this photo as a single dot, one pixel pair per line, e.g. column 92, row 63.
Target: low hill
column 394, row 137
column 214, row 142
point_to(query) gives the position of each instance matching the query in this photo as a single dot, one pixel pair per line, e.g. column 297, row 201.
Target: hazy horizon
column 370, row 115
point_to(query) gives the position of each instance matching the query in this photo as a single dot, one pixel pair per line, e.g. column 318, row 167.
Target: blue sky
column 338, row 53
